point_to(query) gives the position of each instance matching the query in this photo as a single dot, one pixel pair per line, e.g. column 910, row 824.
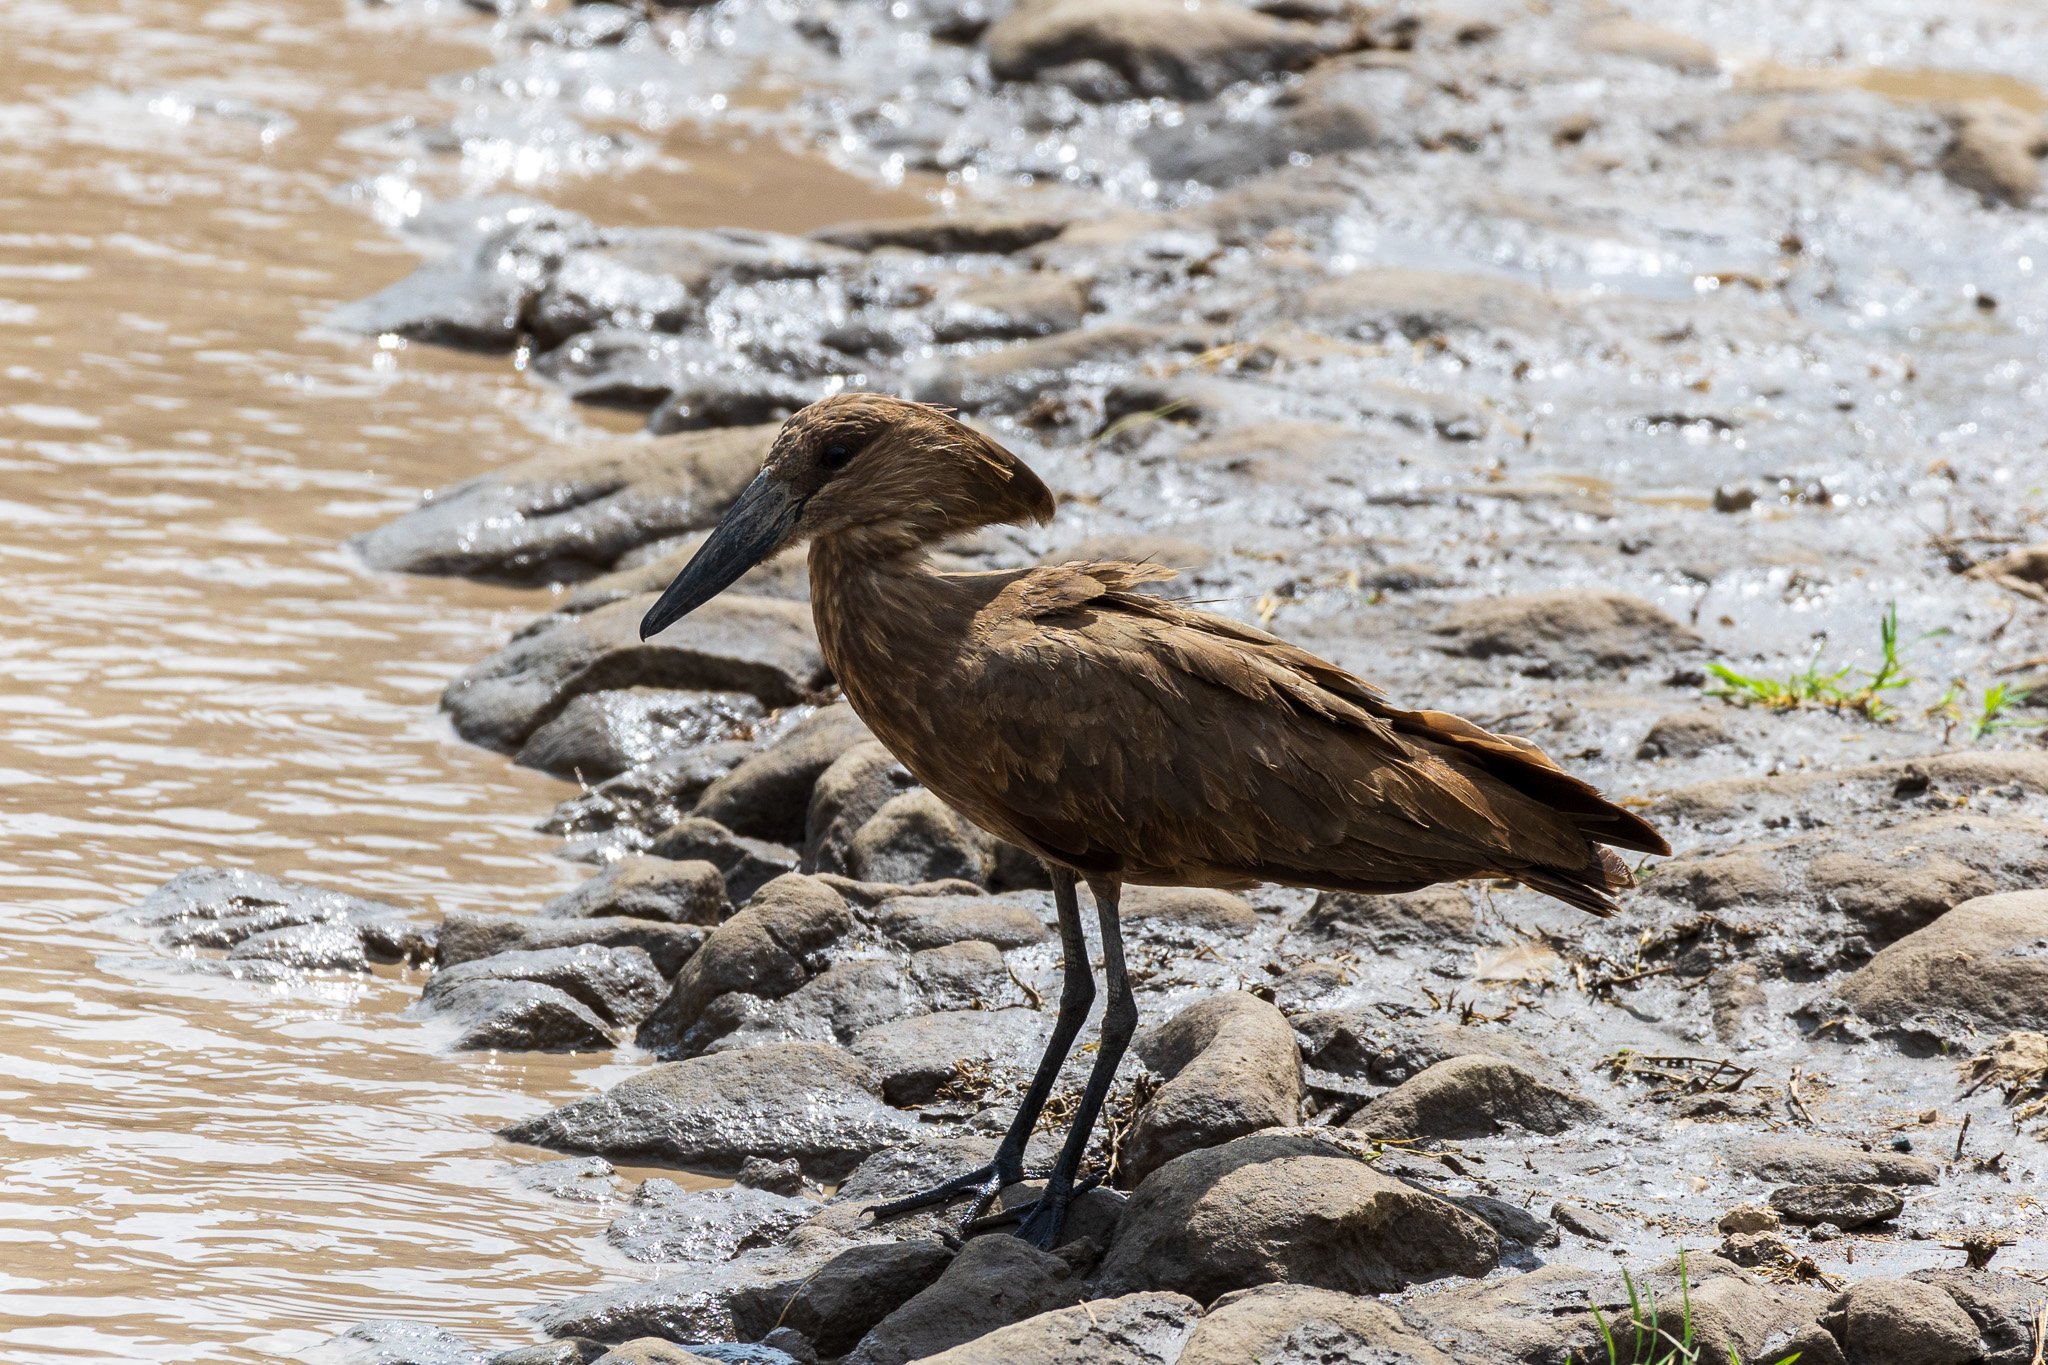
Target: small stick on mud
column 1796, row 1104
column 1961, row 1134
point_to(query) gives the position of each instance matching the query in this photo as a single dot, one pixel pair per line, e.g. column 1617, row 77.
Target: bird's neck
column 881, row 622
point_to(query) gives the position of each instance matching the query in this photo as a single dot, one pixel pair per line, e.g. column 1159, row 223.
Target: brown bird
column 1117, row 736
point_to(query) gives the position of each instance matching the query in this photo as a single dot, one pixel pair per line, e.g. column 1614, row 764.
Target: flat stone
column 1472, row 1097
column 1846, row 1206
column 1574, row 632
column 641, row 887
column 619, row 985
column 1980, row 968
column 1231, row 1067
column 665, row 1222
column 971, row 233
column 1293, row 1324
column 468, row 935
column 919, row 1056
column 917, row 922
column 1135, row 1329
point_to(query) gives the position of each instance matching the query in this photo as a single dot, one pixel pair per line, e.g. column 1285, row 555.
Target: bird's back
column 1118, row 733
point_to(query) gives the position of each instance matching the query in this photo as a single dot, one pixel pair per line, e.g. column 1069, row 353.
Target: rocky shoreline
column 1553, row 368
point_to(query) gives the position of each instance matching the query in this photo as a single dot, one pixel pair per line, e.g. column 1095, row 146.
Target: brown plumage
column 1120, row 737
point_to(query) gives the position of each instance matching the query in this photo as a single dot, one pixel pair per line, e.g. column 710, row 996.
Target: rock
column 1358, row 1044
column 746, row 865
column 578, row 1179
column 478, row 294
column 916, row 922
column 1231, row 1067
column 1288, row 1207
column 399, row 1343
column 1189, row 907
column 1904, row 1322
column 919, row 1056
column 1748, row 1218
column 1226, row 150
column 566, row 517
column 1007, row 307
column 1846, row 1206
column 652, row 1351
column 1622, row 36
column 834, row 1006
column 653, row 566
column 1980, row 968
column 993, row 1282
column 1437, row 914
column 970, row 975
column 619, row 985
column 601, row 734
column 846, row 796
column 1472, row 1097
column 1147, row 48
column 666, row 1222
column 1136, row 1329
column 1384, row 304
column 916, row 837
column 769, row 795
column 1781, row 796
column 807, row 1102
column 628, row 810
column 1684, row 734
column 553, row 1352
column 1995, row 151
column 845, row 1298
column 2005, row 1309
column 1012, row 378
column 1292, row 1324
column 235, row 909
column 657, row 279
column 963, row 234
column 776, row 1177
column 767, row 951
column 1718, row 881
column 520, row 1016
column 640, row 887
column 1816, row 1161
column 1588, row 1223
column 467, row 936
column 1573, row 632
column 758, row 645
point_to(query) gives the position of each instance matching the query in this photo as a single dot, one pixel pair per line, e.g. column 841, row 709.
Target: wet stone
column 1438, row 914
column 1135, row 1329
column 1230, row 1067
column 1126, row 48
column 746, row 864
column 578, row 1179
column 917, row 922
column 1578, row 632
column 845, row 797
column 290, row 923
column 919, row 1057
column 513, row 1015
column 845, row 1298
column 666, row 1222
column 385, row 1342
column 602, row 734
column 993, row 1282
column 1982, row 967
column 1905, row 1322
column 1472, row 1097
column 1291, row 1324
column 916, row 837
column 962, row 234
column 619, row 985
column 1817, row 1161
column 642, row 887
column 467, row 936
column 1160, row 910
column 769, row 795
column 1846, row 1206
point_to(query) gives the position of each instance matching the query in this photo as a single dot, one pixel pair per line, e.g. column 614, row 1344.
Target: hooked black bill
column 753, row 528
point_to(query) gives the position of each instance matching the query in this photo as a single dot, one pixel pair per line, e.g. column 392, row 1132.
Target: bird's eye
column 837, row 455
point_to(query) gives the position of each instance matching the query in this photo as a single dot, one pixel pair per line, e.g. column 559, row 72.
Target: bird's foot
column 1039, row 1221
column 984, row 1183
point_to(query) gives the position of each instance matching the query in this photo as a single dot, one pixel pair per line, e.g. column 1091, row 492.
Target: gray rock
column 807, row 1102
column 745, row 864
column 758, row 645
column 846, row 796
column 993, row 1282
column 578, row 1179
column 1685, row 734
column 769, row 795
column 916, row 1057
column 1817, row 1161
column 658, row 278
column 399, row 1343
column 639, row 803
column 766, row 951
column 619, row 985
column 549, row 1353
column 1384, row 304
column 1472, row 1097
column 1007, row 307
column 1575, row 632
column 601, row 734
column 476, row 296
column 2004, row 1308
column 652, row 1351
column 1136, row 1329
column 511, row 1015
column 1159, row 910
column 1438, row 914
column 1588, row 1223
column 219, row 907
column 834, row 1006
column 1905, row 1322
column 845, row 1298
column 916, row 922
column 916, row 837
column 333, row 946
column 467, row 935
column 970, row 975
column 1012, row 378
column 1846, row 1206
column 566, row 516
column 1995, row 152
column 1147, row 48
column 1293, row 1324
column 1980, row 968
column 962, row 234
column 1292, row 1207
column 641, row 887
column 1231, row 1067
column 666, row 1222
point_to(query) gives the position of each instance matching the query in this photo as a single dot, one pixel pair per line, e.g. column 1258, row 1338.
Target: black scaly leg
column 1040, row 1226
column 1077, row 994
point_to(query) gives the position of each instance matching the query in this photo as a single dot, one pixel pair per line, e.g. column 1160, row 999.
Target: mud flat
column 1669, row 396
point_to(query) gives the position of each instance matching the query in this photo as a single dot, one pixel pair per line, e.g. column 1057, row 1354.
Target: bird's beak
column 754, row 527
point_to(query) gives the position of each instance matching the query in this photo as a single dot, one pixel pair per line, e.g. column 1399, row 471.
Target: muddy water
column 193, row 1167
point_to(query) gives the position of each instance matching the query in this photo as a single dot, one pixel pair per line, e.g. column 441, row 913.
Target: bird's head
column 885, row 474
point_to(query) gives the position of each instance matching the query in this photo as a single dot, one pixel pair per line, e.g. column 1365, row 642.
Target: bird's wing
column 1128, row 733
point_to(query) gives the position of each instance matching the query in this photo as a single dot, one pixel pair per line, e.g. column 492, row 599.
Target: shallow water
column 193, row 1167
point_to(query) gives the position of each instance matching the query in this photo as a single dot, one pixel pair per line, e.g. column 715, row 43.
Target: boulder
column 1980, row 968
column 916, row 837
column 1147, row 48
column 233, row 908
column 769, row 795
column 1846, row 1206
column 1294, row 1324
column 1231, row 1067
column 602, row 734
column 468, row 935
column 618, row 985
column 845, row 1298
column 1136, row 1329
column 2005, row 1309
column 1292, row 1207
column 761, row 646
column 806, row 1102
column 745, row 864
column 665, row 1222
column 1472, row 1097
column 930, row 921
column 1160, row 911
column 1817, row 1161
column 993, row 1282
column 1905, row 1322
column 845, row 797
column 1435, row 915
column 511, row 1015
column 767, row 951
column 918, row 1057
column 986, row 232
column 1572, row 632
column 640, row 887
column 567, row 516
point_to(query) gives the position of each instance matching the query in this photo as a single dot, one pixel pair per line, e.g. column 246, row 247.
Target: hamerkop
column 1118, row 736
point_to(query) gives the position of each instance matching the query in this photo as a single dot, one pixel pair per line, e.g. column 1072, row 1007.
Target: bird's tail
column 1591, row 889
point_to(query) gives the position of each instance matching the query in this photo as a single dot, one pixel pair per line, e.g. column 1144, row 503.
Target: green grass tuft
column 1831, row 690
column 1646, row 1341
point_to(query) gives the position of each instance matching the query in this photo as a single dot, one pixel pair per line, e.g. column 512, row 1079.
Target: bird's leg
column 1040, row 1226
column 1077, row 995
